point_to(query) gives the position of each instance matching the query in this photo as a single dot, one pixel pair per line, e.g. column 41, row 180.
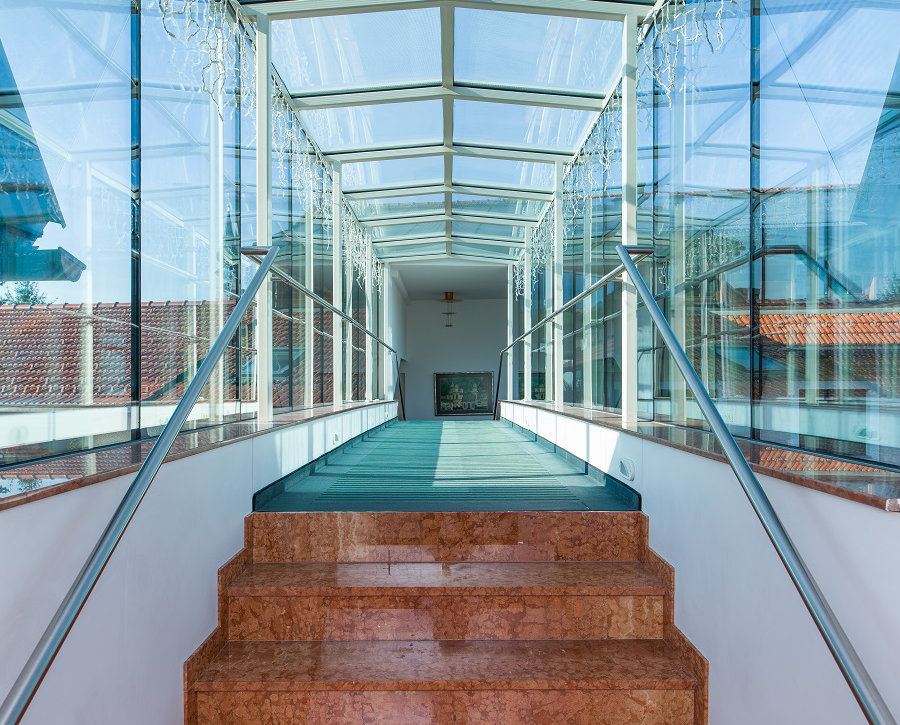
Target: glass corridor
column 143, row 143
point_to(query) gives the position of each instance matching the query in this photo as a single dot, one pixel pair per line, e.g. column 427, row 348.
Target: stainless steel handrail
column 867, row 695
column 48, row 645
column 845, row 655
column 288, row 279
column 638, row 251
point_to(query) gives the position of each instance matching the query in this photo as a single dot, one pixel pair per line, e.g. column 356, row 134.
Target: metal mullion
column 596, row 9
column 136, row 291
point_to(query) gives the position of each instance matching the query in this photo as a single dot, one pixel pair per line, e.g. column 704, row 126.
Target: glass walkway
column 447, row 466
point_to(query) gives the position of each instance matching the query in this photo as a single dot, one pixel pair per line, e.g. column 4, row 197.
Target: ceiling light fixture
column 449, row 301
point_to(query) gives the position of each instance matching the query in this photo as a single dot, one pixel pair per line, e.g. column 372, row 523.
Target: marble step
column 447, row 536
column 429, row 601
column 601, row 682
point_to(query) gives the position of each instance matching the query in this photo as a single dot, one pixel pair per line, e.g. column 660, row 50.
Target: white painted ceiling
column 467, row 281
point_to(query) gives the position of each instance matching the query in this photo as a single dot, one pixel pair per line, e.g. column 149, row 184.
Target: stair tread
column 601, row 578
column 446, row 665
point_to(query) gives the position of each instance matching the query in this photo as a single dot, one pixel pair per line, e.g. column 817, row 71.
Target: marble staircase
column 471, row 618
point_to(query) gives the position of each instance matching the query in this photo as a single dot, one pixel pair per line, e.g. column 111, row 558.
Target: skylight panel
column 375, row 126
column 424, row 229
column 358, row 51
column 510, row 125
column 498, row 231
column 476, row 249
column 530, row 51
column 493, row 205
column 399, row 206
column 413, row 249
column 392, row 172
column 503, row 172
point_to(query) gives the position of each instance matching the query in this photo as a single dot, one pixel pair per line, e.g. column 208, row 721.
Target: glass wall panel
column 121, row 220
column 189, row 218
column 516, row 357
column 291, row 205
column 573, row 283
column 323, row 285
column 826, row 272
column 695, row 207
column 542, row 339
column 605, row 209
column 65, row 229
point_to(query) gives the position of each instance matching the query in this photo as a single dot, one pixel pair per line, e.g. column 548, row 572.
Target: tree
column 892, row 291
column 24, row 293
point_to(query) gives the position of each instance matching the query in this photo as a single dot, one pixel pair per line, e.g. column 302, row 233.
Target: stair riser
column 573, row 707
column 445, row 617
column 447, row 536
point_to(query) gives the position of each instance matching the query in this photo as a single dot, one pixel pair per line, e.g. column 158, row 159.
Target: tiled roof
column 784, row 459
column 857, row 328
column 48, row 351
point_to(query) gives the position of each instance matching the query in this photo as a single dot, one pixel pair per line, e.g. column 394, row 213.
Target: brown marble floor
column 449, row 665
column 597, row 578
column 551, row 617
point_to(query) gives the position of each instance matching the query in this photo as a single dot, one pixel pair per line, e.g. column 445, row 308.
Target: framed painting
column 463, row 393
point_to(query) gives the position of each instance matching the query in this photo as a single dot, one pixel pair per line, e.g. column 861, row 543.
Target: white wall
column 396, row 327
column 733, row 598
column 156, row 601
column 473, row 344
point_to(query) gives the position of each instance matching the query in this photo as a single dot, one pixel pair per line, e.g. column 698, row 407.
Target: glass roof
column 425, row 229
column 398, row 61
column 497, row 206
column 530, row 51
column 484, row 250
column 412, row 249
column 392, row 172
column 497, row 231
column 510, row 125
column 503, row 172
column 343, row 52
column 376, row 126
column 398, row 206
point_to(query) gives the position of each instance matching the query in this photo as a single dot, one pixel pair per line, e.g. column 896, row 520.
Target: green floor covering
column 446, row 466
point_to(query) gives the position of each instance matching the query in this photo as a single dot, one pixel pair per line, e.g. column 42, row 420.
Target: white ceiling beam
column 435, row 257
column 424, row 218
column 505, row 192
column 484, row 152
column 444, row 257
column 509, row 152
column 488, row 94
column 597, row 9
column 388, row 192
column 412, row 239
column 388, row 219
column 489, row 240
column 447, row 62
column 407, row 239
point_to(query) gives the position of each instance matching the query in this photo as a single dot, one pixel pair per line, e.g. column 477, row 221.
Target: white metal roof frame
column 447, row 91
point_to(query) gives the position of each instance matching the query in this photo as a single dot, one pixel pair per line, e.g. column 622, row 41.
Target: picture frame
column 463, row 394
